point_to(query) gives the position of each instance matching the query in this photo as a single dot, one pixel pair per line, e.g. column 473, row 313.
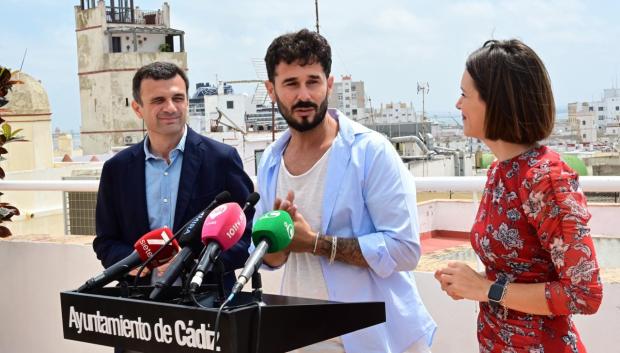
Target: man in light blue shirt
column 162, row 180
column 352, row 200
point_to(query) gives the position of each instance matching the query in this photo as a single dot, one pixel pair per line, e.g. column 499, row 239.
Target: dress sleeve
column 556, row 207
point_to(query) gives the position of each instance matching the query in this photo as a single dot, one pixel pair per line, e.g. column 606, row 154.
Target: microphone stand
column 257, row 286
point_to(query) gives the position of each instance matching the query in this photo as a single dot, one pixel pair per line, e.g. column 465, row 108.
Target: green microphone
column 275, row 228
column 272, row 232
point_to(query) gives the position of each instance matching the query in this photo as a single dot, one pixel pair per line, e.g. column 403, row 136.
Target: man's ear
column 137, row 108
column 270, row 90
column 330, row 85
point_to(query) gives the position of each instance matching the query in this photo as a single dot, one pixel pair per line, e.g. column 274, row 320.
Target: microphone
column 251, row 201
column 191, row 231
column 222, row 229
column 272, row 232
column 190, row 241
column 144, row 248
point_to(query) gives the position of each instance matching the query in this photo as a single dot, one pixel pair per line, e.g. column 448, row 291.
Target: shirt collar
column 180, row 146
column 347, row 130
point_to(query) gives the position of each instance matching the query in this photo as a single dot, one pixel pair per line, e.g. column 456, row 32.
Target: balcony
column 38, row 266
column 128, row 15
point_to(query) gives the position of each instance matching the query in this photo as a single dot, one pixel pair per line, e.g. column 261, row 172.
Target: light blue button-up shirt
column 370, row 195
column 162, row 184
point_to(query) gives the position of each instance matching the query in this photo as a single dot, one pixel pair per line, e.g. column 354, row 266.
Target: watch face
column 495, row 292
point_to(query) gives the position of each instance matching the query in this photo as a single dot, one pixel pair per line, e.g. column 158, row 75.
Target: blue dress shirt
column 370, row 195
column 162, row 184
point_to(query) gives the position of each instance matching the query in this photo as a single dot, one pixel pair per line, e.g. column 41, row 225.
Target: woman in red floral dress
column 531, row 231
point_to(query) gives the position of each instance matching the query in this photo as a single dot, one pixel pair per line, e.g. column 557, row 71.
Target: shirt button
column 165, row 200
column 165, row 173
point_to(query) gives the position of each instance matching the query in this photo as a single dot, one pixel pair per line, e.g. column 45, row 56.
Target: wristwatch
column 498, row 291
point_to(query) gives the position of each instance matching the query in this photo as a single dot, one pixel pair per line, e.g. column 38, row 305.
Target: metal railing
column 423, row 184
column 130, row 16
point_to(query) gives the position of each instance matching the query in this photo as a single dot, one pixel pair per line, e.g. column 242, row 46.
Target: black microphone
column 190, row 241
column 251, row 201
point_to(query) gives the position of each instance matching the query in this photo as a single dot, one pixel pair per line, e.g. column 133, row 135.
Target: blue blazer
column 209, row 167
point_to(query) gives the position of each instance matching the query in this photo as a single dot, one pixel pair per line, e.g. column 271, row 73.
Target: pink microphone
column 221, row 230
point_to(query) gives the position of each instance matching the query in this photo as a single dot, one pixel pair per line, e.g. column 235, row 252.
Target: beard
column 305, row 124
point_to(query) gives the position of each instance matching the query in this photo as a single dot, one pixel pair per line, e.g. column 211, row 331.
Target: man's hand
column 287, row 204
column 304, row 238
column 144, row 273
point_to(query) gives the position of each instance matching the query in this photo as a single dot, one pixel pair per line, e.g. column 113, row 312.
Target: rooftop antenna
column 23, row 58
column 424, row 87
column 316, row 8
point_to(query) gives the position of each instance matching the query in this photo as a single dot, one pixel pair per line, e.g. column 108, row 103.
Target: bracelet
column 316, row 241
column 501, row 302
column 332, row 256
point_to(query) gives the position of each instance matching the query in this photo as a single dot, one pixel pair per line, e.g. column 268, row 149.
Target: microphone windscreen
column 275, row 226
column 222, row 197
column 152, row 241
column 253, row 199
column 225, row 225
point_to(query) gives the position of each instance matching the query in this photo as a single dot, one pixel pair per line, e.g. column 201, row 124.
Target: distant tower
column 113, row 41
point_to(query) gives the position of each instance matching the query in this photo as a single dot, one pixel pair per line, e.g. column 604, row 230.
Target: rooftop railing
column 423, row 184
column 129, row 16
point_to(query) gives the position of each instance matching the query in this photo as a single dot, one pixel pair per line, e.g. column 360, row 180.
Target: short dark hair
column 513, row 82
column 157, row 71
column 304, row 46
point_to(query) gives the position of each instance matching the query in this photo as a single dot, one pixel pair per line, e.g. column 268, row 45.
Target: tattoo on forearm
column 348, row 250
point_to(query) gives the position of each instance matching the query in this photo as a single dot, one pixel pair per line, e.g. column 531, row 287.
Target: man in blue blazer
column 169, row 177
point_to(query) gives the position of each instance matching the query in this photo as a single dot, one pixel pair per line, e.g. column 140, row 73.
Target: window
column 116, row 44
column 591, row 109
column 617, row 108
column 353, row 88
column 583, row 122
column 584, row 136
column 230, row 104
column 601, row 117
column 354, row 111
column 126, row 102
column 257, row 156
column 600, row 109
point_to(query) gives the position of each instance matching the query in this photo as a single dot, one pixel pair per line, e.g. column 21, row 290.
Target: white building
column 606, row 111
column 394, row 113
column 349, row 97
column 113, row 41
column 584, row 121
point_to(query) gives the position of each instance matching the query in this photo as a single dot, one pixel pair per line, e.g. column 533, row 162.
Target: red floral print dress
column 532, row 227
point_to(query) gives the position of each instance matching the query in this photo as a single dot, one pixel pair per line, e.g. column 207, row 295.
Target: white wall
column 35, row 272
column 458, row 215
column 33, row 275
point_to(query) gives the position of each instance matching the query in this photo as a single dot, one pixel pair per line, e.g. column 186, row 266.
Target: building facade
column 349, row 97
column 583, row 119
column 113, row 41
column 605, row 112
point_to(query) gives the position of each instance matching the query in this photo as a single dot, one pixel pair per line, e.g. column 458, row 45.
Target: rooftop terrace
column 38, row 267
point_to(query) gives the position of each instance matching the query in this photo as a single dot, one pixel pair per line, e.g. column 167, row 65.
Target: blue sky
column 389, row 44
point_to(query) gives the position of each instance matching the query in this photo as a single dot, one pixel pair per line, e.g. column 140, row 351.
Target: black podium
column 280, row 324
